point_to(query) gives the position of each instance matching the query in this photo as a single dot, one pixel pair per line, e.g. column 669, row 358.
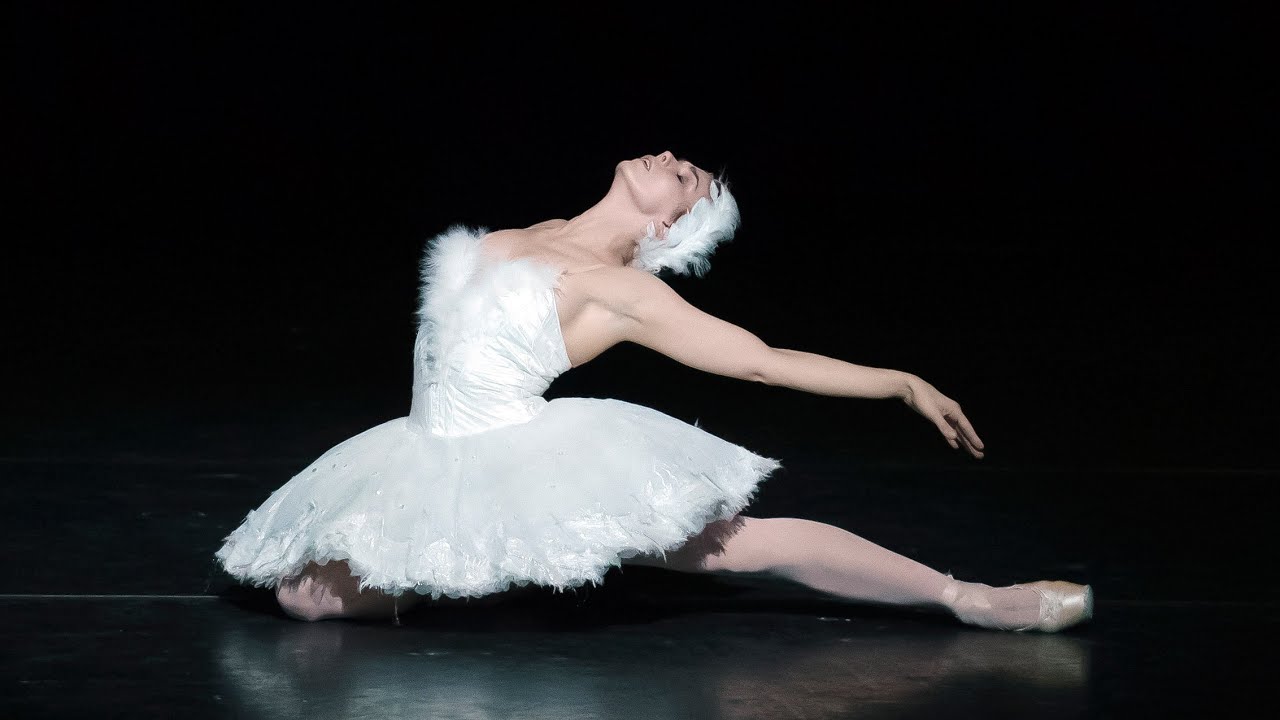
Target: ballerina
column 486, row 484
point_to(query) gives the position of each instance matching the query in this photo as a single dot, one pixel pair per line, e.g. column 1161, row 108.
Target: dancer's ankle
column 1001, row 608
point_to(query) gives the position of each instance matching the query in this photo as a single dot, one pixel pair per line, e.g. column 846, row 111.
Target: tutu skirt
column 555, row 501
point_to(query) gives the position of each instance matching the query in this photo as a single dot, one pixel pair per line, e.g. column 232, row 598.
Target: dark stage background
column 1061, row 217
column 1057, row 217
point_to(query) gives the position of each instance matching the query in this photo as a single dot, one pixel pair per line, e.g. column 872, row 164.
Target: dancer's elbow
column 769, row 367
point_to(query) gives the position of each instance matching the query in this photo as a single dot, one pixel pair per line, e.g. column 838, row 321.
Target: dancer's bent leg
column 832, row 560
column 330, row 591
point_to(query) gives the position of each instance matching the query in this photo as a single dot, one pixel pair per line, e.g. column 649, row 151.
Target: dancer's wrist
column 906, row 384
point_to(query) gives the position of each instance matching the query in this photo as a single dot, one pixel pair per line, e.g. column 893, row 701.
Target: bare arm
column 643, row 309
column 651, row 314
column 822, row 375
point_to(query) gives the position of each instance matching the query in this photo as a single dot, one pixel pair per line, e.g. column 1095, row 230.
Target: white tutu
column 486, row 484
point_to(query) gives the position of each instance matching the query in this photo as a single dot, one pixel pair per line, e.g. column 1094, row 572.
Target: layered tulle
column 555, row 501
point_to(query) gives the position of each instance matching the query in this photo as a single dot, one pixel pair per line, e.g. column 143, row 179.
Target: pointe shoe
column 1062, row 604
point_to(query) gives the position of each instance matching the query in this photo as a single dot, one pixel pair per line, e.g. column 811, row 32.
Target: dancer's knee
column 777, row 546
column 740, row 544
column 743, row 545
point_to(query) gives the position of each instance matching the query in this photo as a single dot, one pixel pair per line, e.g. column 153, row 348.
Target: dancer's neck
column 607, row 230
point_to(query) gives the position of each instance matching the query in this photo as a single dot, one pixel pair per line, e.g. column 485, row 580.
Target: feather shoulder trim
column 450, row 260
column 458, row 279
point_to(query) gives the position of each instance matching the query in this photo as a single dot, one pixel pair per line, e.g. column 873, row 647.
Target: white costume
column 487, row 484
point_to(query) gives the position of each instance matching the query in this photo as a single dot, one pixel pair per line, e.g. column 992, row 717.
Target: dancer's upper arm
column 650, row 313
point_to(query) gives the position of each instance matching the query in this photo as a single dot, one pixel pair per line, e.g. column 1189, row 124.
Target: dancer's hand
column 943, row 412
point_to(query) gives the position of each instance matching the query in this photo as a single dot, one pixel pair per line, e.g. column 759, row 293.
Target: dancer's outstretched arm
column 647, row 311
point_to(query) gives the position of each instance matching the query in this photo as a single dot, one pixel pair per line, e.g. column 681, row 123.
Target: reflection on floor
column 111, row 602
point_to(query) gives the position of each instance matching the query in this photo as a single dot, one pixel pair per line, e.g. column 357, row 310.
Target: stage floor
column 112, row 605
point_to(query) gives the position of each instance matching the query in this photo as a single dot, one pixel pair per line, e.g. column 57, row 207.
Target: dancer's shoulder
column 624, row 289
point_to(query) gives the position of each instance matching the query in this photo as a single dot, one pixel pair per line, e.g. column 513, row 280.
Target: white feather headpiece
column 692, row 238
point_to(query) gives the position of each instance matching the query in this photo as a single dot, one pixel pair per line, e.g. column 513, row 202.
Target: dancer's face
column 662, row 187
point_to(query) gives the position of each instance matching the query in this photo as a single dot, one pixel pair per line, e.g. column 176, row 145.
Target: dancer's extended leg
column 836, row 561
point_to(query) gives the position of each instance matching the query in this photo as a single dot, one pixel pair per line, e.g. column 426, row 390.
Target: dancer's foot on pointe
column 1046, row 605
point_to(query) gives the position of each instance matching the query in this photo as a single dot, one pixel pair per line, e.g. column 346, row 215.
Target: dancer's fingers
column 966, row 429
column 973, row 450
column 949, row 433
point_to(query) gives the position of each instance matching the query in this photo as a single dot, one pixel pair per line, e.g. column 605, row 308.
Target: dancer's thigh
column 739, row 544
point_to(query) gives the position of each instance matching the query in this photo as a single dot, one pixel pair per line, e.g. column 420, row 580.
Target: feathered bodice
column 489, row 341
